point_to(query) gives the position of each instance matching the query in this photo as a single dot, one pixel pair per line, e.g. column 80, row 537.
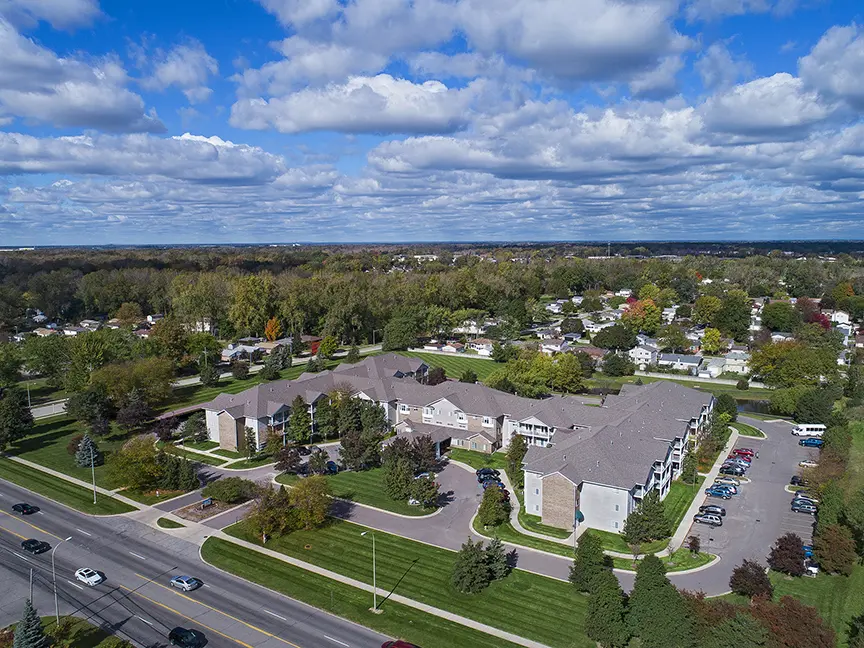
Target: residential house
column 737, row 362
column 152, row 319
column 432, row 345
column 680, row 362
column 548, row 333
column 781, row 336
column 669, row 314
column 554, row 307
column 643, row 355
column 113, row 323
column 142, row 333
column 840, row 317
column 453, row 347
column 571, row 338
column 713, row 368
column 552, row 346
column 595, row 327
column 90, row 324
column 482, row 346
column 624, row 292
column 471, row 327
column 577, row 300
column 844, row 358
column 859, row 341
column 235, row 352
column 44, row 332
column 72, row 331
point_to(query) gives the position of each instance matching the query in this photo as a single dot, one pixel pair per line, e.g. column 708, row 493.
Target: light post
column 374, row 577
column 93, row 471
column 374, row 331
column 54, row 579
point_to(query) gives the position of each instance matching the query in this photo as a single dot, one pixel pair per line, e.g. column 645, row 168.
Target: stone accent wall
column 559, row 501
column 228, row 432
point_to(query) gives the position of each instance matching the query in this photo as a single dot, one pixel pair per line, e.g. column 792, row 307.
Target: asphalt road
column 135, row 600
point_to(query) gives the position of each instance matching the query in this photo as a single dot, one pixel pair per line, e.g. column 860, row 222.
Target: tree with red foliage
column 749, row 579
column 822, row 320
column 787, row 555
column 791, row 624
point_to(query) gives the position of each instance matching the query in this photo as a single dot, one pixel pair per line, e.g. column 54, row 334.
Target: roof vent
column 598, row 463
column 564, row 457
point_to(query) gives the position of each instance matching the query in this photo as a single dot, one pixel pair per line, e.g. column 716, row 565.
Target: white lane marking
column 40, row 512
column 21, row 557
column 278, row 616
column 83, row 531
column 143, row 619
column 137, row 555
column 206, row 585
column 341, row 643
column 75, row 585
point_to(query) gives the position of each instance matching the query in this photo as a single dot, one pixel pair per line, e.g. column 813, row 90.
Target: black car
column 186, row 638
column 35, row 546
column 713, row 509
column 303, row 451
column 798, row 481
column 731, row 470
column 488, row 471
column 25, row 509
column 487, row 477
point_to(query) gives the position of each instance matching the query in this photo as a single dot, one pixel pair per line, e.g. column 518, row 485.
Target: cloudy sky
column 182, row 121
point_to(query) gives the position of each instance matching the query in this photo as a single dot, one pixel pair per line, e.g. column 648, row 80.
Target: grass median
column 168, row 523
column 363, row 487
column 747, row 430
column 348, row 602
column 529, row 605
column 61, row 490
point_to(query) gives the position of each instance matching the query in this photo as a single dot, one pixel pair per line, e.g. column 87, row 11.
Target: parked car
column 707, row 518
column 797, row 480
column 727, row 479
column 811, row 442
column 730, row 487
column 304, row 451
column 398, row 643
column 186, row 583
column 186, row 638
column 739, row 457
column 89, row 576
column 488, row 471
column 806, row 495
column 801, row 507
column 731, row 470
column 718, row 492
column 745, row 452
column 713, row 509
column 491, row 482
column 25, row 509
column 332, row 467
column 737, row 461
column 35, row 546
column 808, row 463
column 487, row 477
column 803, row 500
column 811, row 568
column 808, row 551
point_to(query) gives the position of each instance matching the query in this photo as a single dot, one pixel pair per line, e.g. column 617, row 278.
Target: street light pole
column 93, row 471
column 54, row 579
column 374, row 574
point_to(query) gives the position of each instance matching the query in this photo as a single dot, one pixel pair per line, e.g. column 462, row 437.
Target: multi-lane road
column 135, row 601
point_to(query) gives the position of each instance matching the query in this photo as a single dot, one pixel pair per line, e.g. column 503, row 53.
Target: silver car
column 186, row 583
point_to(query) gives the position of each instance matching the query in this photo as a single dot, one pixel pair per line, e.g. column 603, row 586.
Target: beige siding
column 559, row 501
column 230, row 436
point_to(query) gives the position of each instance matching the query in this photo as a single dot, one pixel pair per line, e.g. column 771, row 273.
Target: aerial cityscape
column 431, row 324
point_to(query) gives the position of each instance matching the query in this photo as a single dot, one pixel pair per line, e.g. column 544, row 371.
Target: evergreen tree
column 496, row 559
column 269, row 371
column 88, row 451
column 650, row 578
column 515, row 454
column 588, row 563
column 468, row 376
column 209, row 376
column 605, row 621
column 493, row 510
column 726, row 404
column 171, row 472
column 188, row 475
column 195, row 428
column 690, row 468
column 741, row 631
column 353, row 356
column 648, row 522
column 423, row 453
column 250, row 440
column 397, row 478
column 300, row 423
column 314, row 365
column 135, row 412
column 351, row 449
column 326, row 419
column 318, row 461
column 834, row 549
column 28, row 631
column 470, row 569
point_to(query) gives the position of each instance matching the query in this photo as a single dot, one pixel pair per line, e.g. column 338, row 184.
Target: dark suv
column 713, row 509
column 186, row 638
column 25, row 509
column 35, row 546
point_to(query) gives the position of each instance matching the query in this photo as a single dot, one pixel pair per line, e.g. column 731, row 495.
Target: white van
column 809, row 430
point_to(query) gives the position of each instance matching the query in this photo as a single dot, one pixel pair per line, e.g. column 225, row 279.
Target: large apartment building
column 585, row 464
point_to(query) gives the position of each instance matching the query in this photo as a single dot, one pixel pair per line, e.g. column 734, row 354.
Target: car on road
column 25, row 509
column 35, row 546
column 718, row 492
column 808, row 463
column 732, row 470
column 186, row 638
column 398, row 643
column 801, row 507
column 797, row 480
column 186, row 583
column 707, row 518
column 332, row 467
column 811, row 442
column 488, row 471
column 89, row 576
column 727, row 479
column 713, row 509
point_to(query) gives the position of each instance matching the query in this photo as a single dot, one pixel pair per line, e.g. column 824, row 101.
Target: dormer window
column 487, row 421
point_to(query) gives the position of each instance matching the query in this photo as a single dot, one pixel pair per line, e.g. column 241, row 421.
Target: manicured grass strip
column 231, row 454
column 150, row 497
column 254, row 462
column 681, row 560
column 192, row 456
column 60, row 490
column 679, row 498
column 532, row 606
column 364, row 487
column 345, row 601
column 201, row 445
column 764, row 417
column 479, row 460
column 41, row 391
column 506, row 533
column 82, row 634
column 747, row 430
column 533, row 523
column 454, row 366
column 615, row 542
column 167, row 523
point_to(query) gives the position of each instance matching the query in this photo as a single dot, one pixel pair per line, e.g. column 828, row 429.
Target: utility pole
column 28, row 404
column 93, row 471
column 374, row 577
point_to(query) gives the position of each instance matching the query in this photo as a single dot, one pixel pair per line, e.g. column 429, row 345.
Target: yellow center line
column 13, row 533
column 217, row 610
column 180, row 614
column 15, row 517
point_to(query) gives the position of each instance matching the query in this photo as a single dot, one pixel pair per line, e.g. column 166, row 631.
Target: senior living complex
column 586, row 464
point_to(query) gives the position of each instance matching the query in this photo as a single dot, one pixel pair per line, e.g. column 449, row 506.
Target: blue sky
column 429, row 120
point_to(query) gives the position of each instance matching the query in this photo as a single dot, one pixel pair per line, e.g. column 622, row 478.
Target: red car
column 742, row 457
column 398, row 643
column 744, row 452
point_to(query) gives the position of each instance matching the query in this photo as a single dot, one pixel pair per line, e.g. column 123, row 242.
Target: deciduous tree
column 15, row 417
column 749, row 579
column 834, row 549
column 787, row 555
column 493, row 510
column 272, row 329
column 311, row 499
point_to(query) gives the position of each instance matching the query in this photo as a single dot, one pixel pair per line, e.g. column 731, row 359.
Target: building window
column 460, row 416
column 404, row 408
column 462, row 426
column 536, row 491
column 473, row 445
column 536, row 507
column 428, row 411
column 614, row 525
column 487, row 421
column 617, row 508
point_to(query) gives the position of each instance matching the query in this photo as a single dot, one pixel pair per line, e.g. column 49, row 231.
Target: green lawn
column 254, row 462
column 506, row 533
column 82, row 634
column 526, row 604
column 167, row 523
column 231, row 454
column 363, row 487
column 479, row 460
column 533, row 523
column 40, row 391
column 180, row 451
column 345, row 601
column 854, row 478
column 150, row 497
column 681, row 560
column 747, row 430
column 615, row 542
column 46, row 445
column 455, row 365
column 61, row 490
column 764, row 417
column 201, row 445
column 679, row 499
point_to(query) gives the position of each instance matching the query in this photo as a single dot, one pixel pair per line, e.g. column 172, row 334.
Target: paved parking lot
column 759, row 514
